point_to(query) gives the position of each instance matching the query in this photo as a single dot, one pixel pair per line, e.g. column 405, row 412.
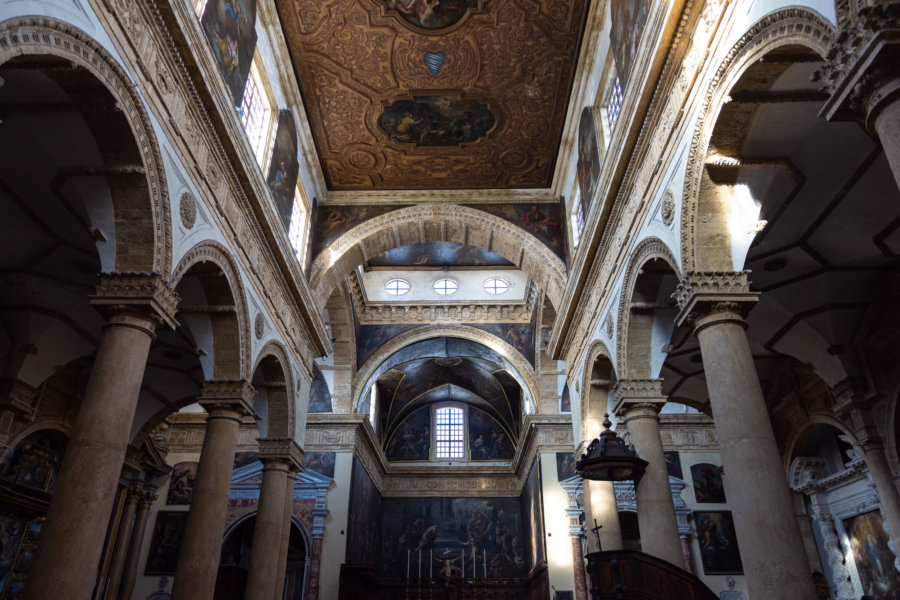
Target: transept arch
column 436, row 222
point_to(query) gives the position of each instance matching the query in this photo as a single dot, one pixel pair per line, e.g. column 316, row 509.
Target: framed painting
column 718, row 543
column 166, row 542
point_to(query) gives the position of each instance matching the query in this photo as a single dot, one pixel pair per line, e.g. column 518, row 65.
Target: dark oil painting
column 363, row 528
column 166, row 542
column 565, row 465
column 533, row 514
column 319, row 462
column 319, row 396
column 446, row 537
column 372, row 337
column 436, row 120
column 487, row 439
column 718, row 543
column 439, row 254
column 334, row 221
column 565, row 401
column 230, row 28
column 874, row 559
column 412, row 439
column 283, row 169
column 628, row 20
column 673, row 464
column 543, row 221
column 588, row 167
column 431, row 14
column 34, row 462
column 518, row 335
column 18, row 542
column 181, row 485
column 707, row 479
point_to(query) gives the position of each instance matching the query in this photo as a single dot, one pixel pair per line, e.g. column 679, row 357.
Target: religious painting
column 707, row 480
column 431, row 14
column 588, row 167
column 284, row 168
column 412, row 439
column 718, row 543
column 181, row 484
column 673, row 464
column 439, row 254
column 34, row 463
column 166, row 542
column 565, row 401
column 373, row 337
column 334, row 221
column 487, row 439
column 242, row 459
column 230, row 28
column 565, row 465
column 12, row 535
column 436, row 120
column 543, row 221
column 363, row 528
column 319, row 396
column 518, row 335
column 533, row 514
column 628, row 20
column 874, row 559
column 446, row 537
column 319, row 462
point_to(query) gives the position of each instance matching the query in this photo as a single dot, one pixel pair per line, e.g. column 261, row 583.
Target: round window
column 496, row 286
column 396, row 287
column 445, row 287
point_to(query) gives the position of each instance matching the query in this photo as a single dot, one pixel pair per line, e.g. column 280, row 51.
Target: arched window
column 449, row 429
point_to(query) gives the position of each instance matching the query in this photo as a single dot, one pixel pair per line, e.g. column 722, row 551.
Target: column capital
column 860, row 74
column 227, row 396
column 638, row 394
column 144, row 295
column 281, row 449
column 704, row 294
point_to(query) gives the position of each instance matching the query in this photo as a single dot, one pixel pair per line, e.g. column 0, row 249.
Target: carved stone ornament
column 281, row 449
column 609, row 327
column 187, row 210
column 146, row 294
column 259, row 326
column 667, row 209
column 705, row 292
column 234, row 395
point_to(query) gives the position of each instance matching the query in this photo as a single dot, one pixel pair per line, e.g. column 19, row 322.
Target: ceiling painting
column 334, row 221
column 543, row 221
column 438, row 254
column 508, row 64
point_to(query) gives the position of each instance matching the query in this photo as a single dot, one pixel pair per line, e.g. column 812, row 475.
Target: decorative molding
column 667, row 208
column 228, row 396
column 281, row 449
column 187, row 210
column 702, row 293
column 147, row 295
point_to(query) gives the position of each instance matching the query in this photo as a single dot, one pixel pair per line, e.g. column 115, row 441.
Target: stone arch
column 273, row 364
column 649, row 249
column 57, row 425
column 436, row 222
column 590, row 417
column 231, row 356
column 795, row 25
column 800, row 433
column 147, row 247
column 524, row 372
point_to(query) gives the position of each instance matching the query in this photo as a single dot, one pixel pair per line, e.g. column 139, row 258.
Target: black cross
column 596, row 529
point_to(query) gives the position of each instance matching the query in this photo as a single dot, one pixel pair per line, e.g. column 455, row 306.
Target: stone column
column 198, row 561
column 129, row 573
column 771, row 546
column 281, row 457
column 638, row 402
column 65, row 565
column 120, row 549
column 863, row 78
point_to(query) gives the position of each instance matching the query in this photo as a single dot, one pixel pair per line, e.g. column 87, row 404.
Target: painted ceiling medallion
column 434, row 61
column 436, row 120
column 431, row 14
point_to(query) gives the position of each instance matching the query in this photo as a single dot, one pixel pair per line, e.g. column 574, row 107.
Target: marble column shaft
column 72, row 538
column 198, row 560
column 123, row 536
column 129, row 573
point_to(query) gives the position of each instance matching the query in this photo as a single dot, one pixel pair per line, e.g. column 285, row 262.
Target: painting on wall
column 334, row 221
column 718, row 543
column 181, row 485
column 673, row 464
column 439, row 254
column 588, row 167
column 487, row 439
column 707, row 480
column 320, row 462
column 15, row 534
column 518, row 335
column 242, row 459
column 34, row 463
column 373, row 337
column 479, row 536
column 543, row 221
column 284, row 168
column 565, row 465
column 431, row 14
column 166, row 542
column 363, row 529
column 230, row 28
column 436, row 120
column 874, row 559
column 565, row 401
column 628, row 20
column 533, row 514
column 412, row 439
column 319, row 396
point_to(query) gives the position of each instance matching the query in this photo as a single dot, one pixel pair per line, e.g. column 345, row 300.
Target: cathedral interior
column 337, row 299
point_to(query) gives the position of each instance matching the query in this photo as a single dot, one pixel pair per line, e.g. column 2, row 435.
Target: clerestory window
column 449, row 431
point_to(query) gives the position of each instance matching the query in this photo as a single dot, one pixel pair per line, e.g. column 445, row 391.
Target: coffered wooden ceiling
column 435, row 94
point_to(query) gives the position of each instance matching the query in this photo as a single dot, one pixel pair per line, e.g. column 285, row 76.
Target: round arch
column 597, row 350
column 795, row 25
column 801, row 433
column 231, row 360
column 651, row 248
column 144, row 243
column 523, row 371
column 281, row 412
column 435, row 223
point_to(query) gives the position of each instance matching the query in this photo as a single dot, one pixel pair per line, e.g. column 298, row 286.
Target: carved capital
column 638, row 395
column 704, row 293
column 142, row 295
column 230, row 398
column 861, row 73
column 281, row 449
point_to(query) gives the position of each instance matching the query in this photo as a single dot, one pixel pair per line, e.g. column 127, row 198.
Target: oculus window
column 396, row 287
column 496, row 286
column 445, row 287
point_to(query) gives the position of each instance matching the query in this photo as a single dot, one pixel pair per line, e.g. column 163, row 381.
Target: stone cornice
column 407, row 197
